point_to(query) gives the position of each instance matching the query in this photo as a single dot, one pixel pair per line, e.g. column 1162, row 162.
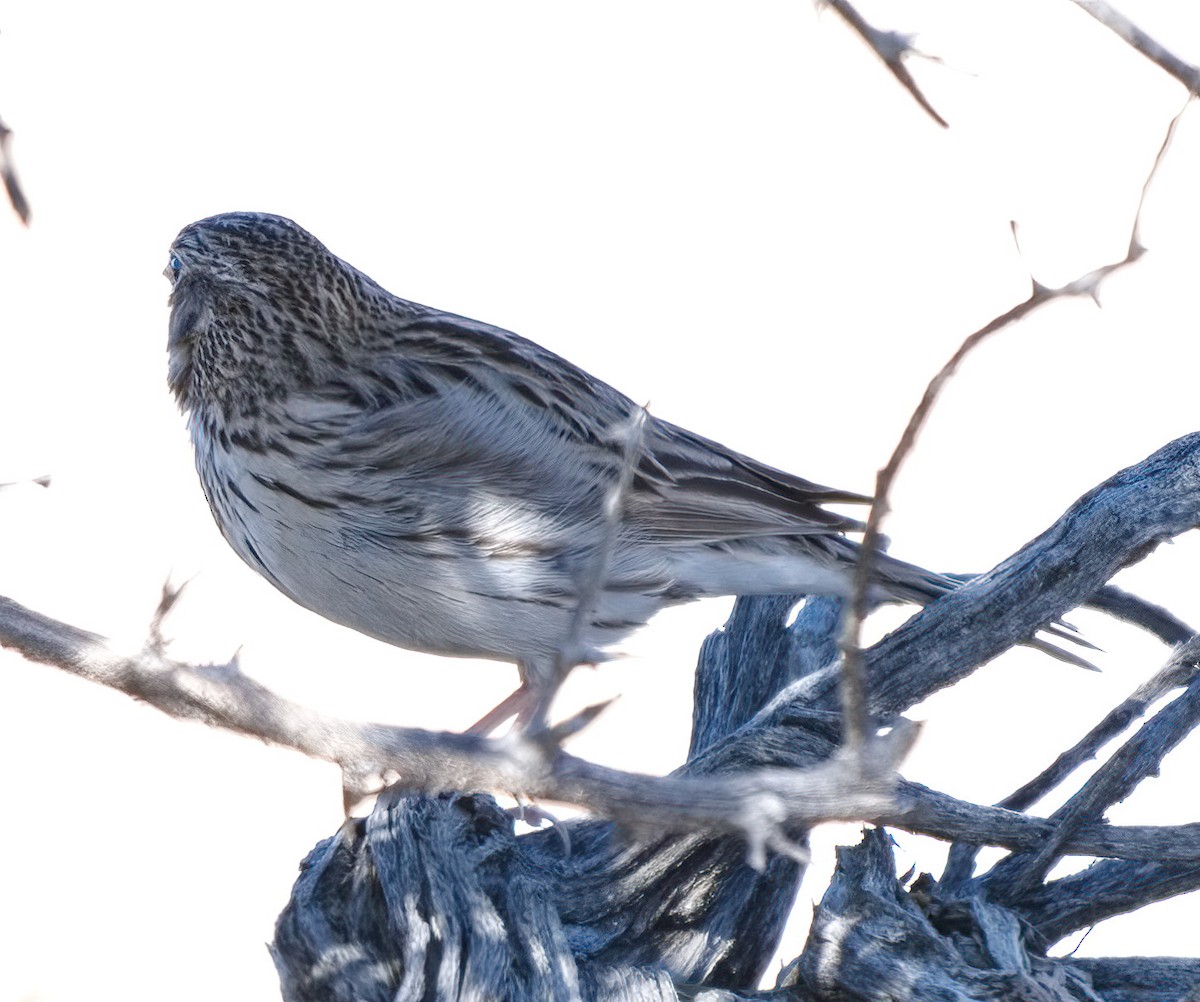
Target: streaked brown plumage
column 439, row 483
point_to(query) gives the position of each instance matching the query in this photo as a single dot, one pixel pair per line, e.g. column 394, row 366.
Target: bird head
column 254, row 296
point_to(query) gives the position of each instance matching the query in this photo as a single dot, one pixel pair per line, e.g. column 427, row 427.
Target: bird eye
column 176, row 264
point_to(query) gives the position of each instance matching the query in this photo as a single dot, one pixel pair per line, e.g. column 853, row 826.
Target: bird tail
column 899, row 580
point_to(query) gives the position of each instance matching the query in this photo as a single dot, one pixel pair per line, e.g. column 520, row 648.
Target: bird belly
column 398, row 581
column 770, row 566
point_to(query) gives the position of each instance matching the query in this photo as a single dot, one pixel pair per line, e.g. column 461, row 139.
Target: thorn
column 891, row 47
column 43, row 481
column 559, row 733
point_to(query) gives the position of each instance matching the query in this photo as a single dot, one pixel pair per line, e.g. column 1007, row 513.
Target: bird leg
column 530, row 703
column 521, row 703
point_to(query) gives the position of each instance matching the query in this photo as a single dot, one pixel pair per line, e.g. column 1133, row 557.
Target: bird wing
column 471, row 407
column 690, row 488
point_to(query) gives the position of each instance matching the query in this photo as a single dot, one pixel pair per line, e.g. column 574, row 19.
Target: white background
column 729, row 210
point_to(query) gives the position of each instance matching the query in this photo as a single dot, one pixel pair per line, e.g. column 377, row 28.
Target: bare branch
column 1179, row 670
column 1110, row 887
column 1115, row 21
column 1129, row 608
column 853, row 685
column 595, row 574
column 938, row 815
column 1115, row 780
column 756, row 804
column 1110, row 526
column 891, row 47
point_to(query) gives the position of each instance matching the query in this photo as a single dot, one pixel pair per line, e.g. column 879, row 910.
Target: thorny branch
column 854, row 698
column 755, row 803
column 890, row 46
column 717, row 791
column 572, row 647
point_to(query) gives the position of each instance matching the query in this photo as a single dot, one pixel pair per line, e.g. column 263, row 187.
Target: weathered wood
column 1115, row 780
column 874, row 941
column 1113, row 525
column 1139, row 758
column 1107, row 888
column 1143, row 979
column 871, row 940
column 610, row 914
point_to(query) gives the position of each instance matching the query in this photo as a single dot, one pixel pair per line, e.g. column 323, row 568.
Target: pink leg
column 521, row 703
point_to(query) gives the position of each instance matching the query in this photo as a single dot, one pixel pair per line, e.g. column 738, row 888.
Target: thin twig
column 854, row 699
column 43, row 481
column 1115, row 21
column 891, row 47
column 1178, row 671
column 595, row 574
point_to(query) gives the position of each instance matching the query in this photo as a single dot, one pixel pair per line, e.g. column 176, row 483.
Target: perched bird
column 447, row 486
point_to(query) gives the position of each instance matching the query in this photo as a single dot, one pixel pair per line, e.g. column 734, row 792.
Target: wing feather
column 457, row 395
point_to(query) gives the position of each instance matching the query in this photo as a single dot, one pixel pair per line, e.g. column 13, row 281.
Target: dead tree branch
column 964, row 948
column 1180, row 670
column 1115, row 780
column 1127, row 608
column 754, row 804
column 1110, row 887
column 1155, row 499
column 1157, row 53
column 890, row 46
